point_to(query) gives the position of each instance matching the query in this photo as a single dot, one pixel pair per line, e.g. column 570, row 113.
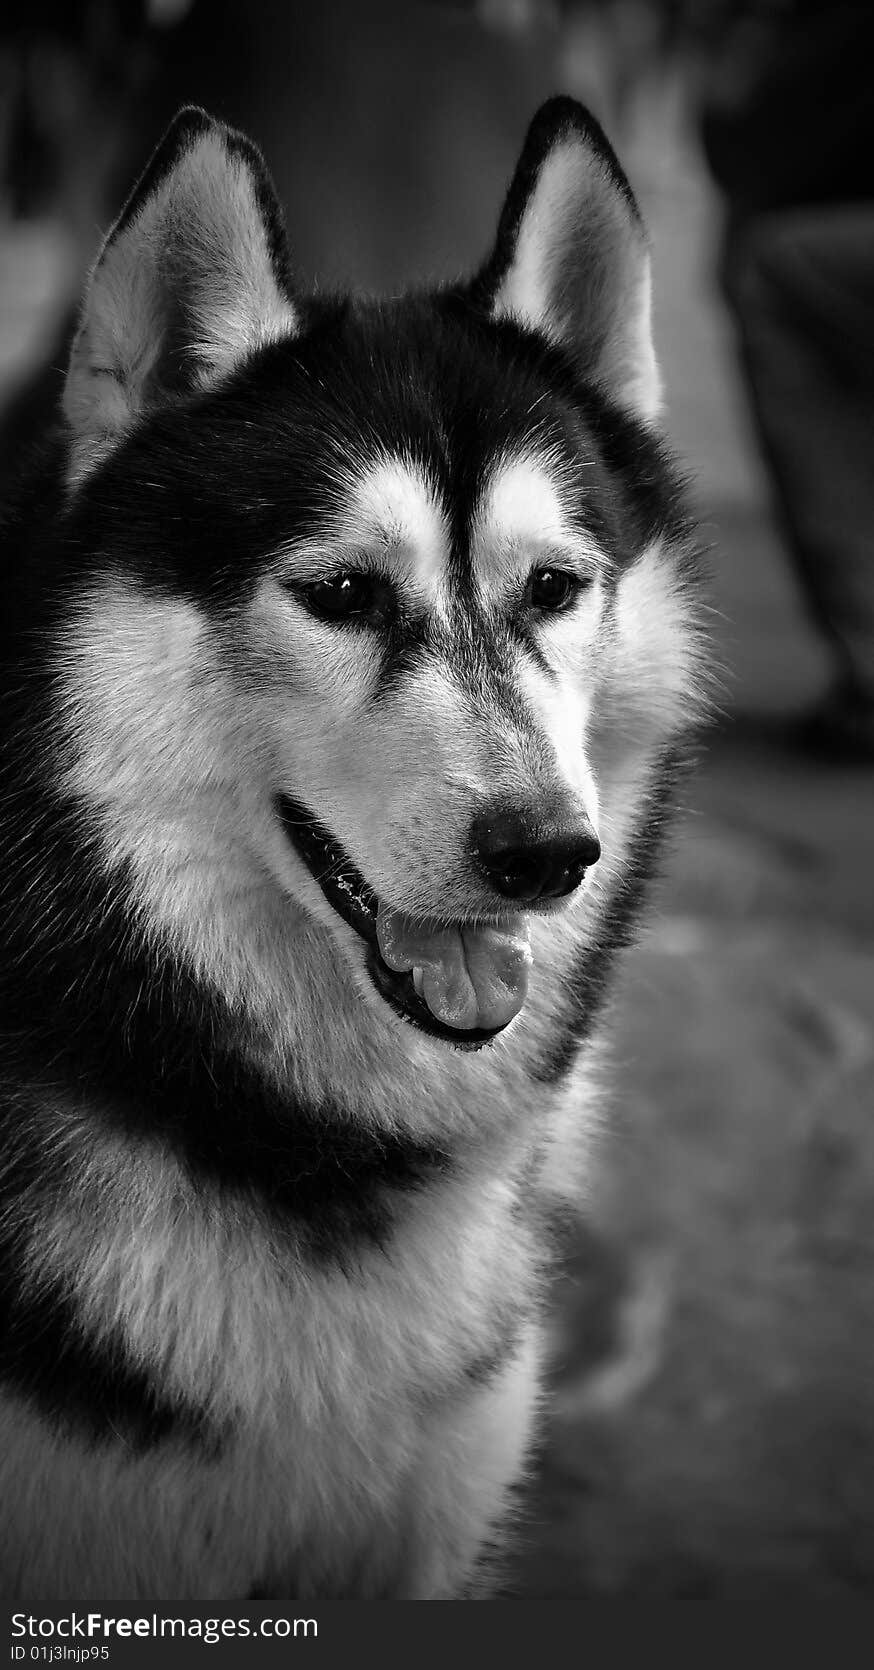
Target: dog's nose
column 526, row 858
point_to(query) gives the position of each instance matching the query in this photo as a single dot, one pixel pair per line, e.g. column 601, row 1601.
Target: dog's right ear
column 191, row 279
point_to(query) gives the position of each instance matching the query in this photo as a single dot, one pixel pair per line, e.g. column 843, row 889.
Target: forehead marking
column 521, row 518
column 522, row 502
column 395, row 508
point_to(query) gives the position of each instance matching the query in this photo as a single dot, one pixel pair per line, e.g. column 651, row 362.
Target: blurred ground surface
column 714, row 1431
column 714, row 1421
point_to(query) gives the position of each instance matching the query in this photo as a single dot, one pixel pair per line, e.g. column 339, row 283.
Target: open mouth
column 462, row 983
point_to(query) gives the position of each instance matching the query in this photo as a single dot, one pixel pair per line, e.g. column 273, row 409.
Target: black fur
column 429, row 377
column 86, row 1385
column 47, row 1354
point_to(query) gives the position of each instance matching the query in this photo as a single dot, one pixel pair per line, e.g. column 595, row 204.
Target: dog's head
column 372, row 596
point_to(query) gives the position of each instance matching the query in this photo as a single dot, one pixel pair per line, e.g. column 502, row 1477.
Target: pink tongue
column 470, row 977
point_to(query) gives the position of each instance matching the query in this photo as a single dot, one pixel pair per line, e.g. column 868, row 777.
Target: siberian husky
column 351, row 649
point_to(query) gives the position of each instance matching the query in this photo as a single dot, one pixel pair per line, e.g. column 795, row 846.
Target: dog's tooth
column 419, row 981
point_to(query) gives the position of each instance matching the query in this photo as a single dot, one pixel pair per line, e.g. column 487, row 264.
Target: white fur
column 203, row 218
column 386, row 519
column 395, row 508
column 524, row 522
column 580, row 273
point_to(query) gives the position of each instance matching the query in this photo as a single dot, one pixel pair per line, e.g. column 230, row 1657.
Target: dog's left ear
column 191, row 279
column 571, row 259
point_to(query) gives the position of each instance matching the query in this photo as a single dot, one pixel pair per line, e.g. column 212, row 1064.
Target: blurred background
column 713, row 1424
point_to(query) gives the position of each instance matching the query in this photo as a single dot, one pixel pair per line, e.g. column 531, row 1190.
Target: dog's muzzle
column 461, row 982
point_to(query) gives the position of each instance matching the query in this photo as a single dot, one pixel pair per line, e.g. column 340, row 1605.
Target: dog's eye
column 552, row 589
column 346, row 595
